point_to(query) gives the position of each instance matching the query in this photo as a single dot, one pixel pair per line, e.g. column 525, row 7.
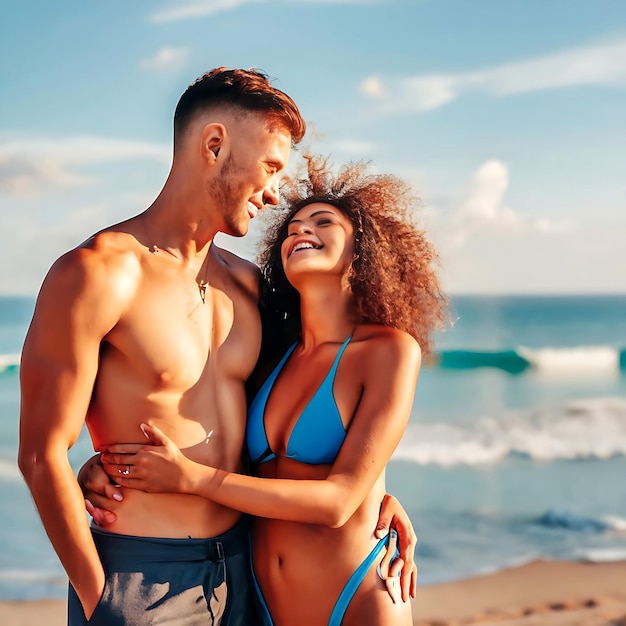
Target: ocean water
column 516, row 448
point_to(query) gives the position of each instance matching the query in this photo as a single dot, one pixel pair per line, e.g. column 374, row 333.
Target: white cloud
column 167, row 59
column 484, row 210
column 26, row 176
column 591, row 65
column 487, row 246
column 490, row 183
column 430, row 92
column 372, row 87
column 588, row 260
column 201, row 8
column 28, row 166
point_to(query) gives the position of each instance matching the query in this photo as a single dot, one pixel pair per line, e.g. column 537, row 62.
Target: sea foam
column 581, row 429
column 601, row 555
column 9, row 470
column 583, row 360
column 9, row 362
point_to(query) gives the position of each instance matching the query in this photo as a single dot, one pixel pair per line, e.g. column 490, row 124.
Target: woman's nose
column 304, row 227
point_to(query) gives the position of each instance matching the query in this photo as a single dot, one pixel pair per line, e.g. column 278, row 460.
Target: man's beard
column 228, row 201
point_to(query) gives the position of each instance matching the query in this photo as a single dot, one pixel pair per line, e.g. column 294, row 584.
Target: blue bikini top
column 318, row 434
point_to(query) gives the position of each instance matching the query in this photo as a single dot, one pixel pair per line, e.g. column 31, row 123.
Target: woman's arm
column 389, row 376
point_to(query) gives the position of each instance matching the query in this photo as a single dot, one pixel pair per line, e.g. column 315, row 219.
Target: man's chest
column 177, row 342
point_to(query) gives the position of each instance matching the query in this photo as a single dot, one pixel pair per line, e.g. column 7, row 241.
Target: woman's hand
column 159, row 467
column 393, row 515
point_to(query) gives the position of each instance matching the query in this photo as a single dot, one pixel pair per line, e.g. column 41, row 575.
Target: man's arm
column 57, row 374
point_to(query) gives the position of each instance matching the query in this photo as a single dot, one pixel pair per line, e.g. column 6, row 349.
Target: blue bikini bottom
column 346, row 594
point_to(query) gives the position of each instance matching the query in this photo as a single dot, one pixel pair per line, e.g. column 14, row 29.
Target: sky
column 507, row 116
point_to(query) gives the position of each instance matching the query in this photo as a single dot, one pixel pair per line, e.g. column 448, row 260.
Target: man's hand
column 100, row 493
column 393, row 515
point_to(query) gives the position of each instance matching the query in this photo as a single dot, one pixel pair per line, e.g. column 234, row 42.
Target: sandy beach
column 541, row 593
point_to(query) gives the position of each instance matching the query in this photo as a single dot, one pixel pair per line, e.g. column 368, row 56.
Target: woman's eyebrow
column 294, row 221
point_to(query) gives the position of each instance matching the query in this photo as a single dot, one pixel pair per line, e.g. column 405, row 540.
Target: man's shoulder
column 107, row 263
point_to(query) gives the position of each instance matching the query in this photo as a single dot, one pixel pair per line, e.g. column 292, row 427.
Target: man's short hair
column 246, row 90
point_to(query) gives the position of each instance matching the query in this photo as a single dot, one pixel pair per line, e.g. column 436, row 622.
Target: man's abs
column 210, row 432
column 171, row 515
column 216, row 441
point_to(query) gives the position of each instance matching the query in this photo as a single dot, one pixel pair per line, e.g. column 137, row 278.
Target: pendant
column 202, row 285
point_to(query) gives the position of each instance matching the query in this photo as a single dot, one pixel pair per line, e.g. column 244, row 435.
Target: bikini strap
column 333, row 369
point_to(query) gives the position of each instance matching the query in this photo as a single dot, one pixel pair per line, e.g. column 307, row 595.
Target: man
column 149, row 320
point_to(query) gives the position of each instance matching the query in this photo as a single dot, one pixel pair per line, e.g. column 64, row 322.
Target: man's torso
column 180, row 364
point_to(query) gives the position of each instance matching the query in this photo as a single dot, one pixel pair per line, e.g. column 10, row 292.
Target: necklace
column 202, row 284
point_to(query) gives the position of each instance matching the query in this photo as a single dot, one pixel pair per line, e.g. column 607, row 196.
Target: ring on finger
column 125, row 472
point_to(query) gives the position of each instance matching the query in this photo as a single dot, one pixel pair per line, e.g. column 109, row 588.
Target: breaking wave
column 582, row 360
column 9, row 362
column 580, row 429
column 557, row 518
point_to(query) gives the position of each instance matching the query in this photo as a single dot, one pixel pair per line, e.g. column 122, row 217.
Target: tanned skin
column 120, row 335
column 314, row 523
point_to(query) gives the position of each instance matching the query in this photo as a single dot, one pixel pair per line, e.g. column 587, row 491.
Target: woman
column 348, row 269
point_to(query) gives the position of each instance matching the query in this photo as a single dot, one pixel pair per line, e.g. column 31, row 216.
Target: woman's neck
column 325, row 316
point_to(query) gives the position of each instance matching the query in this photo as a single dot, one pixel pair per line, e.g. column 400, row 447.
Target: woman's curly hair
column 392, row 277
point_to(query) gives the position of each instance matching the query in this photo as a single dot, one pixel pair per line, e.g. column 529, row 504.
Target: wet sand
column 541, row 593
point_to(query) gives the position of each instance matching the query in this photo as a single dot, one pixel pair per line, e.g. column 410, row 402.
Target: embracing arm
column 57, row 374
column 390, row 375
column 389, row 383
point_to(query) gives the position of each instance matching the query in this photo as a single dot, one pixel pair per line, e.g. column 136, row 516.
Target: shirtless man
column 148, row 320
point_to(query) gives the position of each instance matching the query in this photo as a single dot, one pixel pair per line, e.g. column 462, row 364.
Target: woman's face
column 320, row 240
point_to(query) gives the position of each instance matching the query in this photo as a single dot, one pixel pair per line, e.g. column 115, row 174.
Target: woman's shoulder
column 386, row 342
column 241, row 271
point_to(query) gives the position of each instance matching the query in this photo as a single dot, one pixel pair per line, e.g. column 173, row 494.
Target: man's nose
column 271, row 194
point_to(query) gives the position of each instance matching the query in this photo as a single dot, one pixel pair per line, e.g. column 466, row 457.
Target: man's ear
column 213, row 136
